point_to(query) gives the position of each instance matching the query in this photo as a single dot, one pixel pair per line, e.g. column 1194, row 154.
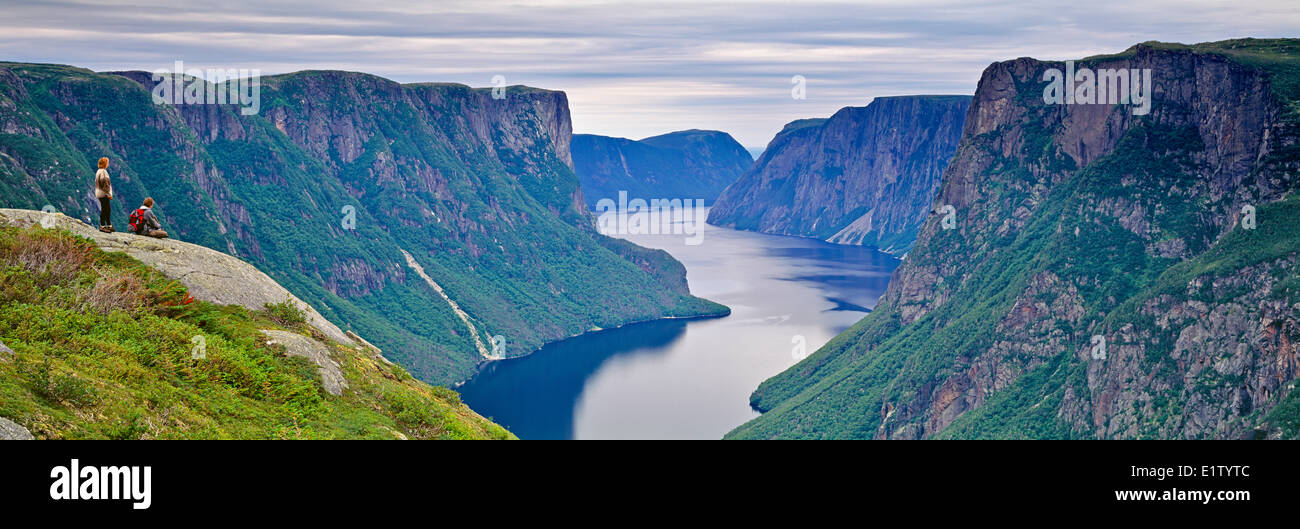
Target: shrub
column 114, row 290
column 131, row 426
column 287, row 314
column 56, row 387
column 53, row 257
column 447, row 395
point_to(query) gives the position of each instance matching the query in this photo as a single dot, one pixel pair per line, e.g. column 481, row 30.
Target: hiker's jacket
column 103, row 186
column 148, row 220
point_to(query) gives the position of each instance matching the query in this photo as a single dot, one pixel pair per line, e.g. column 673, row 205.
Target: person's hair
column 103, row 163
column 148, row 202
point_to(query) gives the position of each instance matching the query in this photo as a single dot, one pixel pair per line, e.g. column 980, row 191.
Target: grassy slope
column 103, row 350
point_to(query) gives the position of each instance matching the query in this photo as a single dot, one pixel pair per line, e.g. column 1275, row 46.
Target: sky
column 631, row 69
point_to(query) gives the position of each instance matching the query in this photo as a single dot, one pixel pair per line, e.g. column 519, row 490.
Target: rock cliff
column 1107, row 273
column 864, row 176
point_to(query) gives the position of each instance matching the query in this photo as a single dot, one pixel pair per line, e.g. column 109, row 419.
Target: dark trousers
column 105, row 212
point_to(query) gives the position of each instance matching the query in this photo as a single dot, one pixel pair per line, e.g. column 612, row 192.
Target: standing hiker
column 104, row 192
column 144, row 222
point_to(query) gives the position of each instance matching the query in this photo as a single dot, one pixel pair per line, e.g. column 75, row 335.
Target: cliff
column 691, row 164
column 334, row 181
column 864, row 176
column 1109, row 273
column 119, row 336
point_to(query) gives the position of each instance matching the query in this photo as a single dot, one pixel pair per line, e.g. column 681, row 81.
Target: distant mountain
column 864, row 176
column 429, row 217
column 1105, row 272
column 686, row 164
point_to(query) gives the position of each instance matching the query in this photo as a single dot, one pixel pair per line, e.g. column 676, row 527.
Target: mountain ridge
column 687, row 164
column 863, row 176
column 1098, row 281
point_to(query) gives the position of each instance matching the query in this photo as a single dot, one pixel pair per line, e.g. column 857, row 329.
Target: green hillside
column 103, row 349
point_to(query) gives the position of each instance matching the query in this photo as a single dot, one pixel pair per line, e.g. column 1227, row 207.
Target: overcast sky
column 631, row 69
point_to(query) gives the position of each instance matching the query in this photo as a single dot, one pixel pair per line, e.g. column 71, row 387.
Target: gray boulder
column 12, row 431
column 298, row 345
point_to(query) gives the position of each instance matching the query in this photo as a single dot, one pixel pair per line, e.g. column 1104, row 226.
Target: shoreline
column 717, row 315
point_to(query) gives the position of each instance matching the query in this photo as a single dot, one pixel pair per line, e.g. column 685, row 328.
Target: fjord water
column 689, row 379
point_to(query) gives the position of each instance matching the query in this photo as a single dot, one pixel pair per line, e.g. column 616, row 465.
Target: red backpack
column 136, row 221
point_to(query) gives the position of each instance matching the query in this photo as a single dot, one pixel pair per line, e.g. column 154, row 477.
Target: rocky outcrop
column 298, row 345
column 375, row 352
column 864, row 176
column 12, row 431
column 208, row 274
column 690, row 164
column 1109, row 273
column 1236, row 355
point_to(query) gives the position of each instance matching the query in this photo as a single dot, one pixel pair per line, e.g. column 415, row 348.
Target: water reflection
column 536, row 394
column 689, row 379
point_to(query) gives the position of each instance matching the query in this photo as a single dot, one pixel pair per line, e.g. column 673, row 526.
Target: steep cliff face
column 336, row 177
column 864, row 176
column 1108, row 274
column 690, row 164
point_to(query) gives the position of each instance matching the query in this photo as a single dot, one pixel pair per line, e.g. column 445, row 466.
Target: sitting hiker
column 143, row 221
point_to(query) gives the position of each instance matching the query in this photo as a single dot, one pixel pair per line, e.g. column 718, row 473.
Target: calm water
column 689, row 379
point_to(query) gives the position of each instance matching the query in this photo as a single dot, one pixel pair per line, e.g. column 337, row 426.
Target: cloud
column 631, row 69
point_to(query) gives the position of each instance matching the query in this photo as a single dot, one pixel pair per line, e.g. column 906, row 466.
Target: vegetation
column 1126, row 236
column 287, row 314
column 106, row 348
column 489, row 214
